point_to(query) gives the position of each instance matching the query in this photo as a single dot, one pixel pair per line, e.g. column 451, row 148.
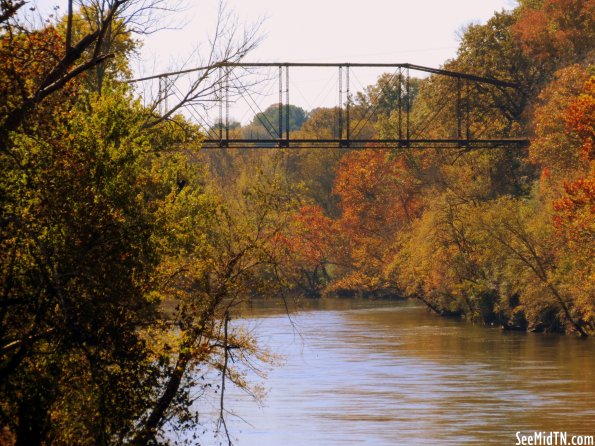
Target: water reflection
column 389, row 373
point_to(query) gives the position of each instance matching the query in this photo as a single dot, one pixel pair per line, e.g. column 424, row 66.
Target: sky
column 417, row 31
column 421, row 32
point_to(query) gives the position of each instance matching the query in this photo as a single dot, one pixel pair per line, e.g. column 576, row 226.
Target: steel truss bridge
column 225, row 88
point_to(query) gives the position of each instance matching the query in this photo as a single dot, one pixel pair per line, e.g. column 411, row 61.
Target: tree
column 80, row 254
column 556, row 146
column 9, row 8
column 118, row 42
column 265, row 124
column 310, row 246
column 64, row 61
column 388, row 93
column 492, row 50
column 525, row 232
column 556, row 32
column 432, row 259
column 574, row 210
column 206, row 274
column 106, row 221
column 377, row 199
column 317, row 168
column 110, row 233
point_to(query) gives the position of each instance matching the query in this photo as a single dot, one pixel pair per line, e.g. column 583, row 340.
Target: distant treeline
column 503, row 236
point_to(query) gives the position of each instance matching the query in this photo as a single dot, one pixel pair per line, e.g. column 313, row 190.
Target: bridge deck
column 365, row 143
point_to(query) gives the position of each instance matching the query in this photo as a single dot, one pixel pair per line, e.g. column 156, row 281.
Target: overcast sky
column 416, row 31
column 422, row 32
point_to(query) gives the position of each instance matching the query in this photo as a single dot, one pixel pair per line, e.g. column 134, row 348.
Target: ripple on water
column 398, row 375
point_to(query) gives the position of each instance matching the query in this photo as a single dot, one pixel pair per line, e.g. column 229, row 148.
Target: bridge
column 216, row 89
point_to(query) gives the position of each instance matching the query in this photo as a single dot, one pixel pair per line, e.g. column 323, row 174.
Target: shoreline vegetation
column 108, row 209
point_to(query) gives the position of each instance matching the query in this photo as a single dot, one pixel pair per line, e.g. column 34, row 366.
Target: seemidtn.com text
column 553, row 439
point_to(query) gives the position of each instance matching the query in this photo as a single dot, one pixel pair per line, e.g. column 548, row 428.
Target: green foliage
column 389, row 91
column 78, row 235
column 266, row 123
column 121, row 264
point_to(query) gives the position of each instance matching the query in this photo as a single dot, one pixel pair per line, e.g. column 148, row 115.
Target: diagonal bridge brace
column 347, row 136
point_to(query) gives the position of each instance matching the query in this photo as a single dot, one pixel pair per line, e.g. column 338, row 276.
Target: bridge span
column 217, row 88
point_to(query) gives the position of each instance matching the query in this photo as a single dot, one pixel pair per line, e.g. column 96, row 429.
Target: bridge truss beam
column 348, row 133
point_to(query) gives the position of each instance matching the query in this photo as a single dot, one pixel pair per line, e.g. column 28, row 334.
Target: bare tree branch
column 229, row 43
column 8, row 9
column 135, row 16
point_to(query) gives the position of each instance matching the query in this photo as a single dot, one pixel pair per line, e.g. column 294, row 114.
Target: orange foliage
column 307, row 248
column 378, row 197
column 559, row 29
column 310, row 236
column 532, row 30
column 25, row 62
column 558, row 141
column 575, row 217
column 376, row 193
column 576, row 211
column 580, row 118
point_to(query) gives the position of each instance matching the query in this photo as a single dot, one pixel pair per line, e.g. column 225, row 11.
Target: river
column 389, row 373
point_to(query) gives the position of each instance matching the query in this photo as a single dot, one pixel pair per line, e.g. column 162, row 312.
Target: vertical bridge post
column 344, row 141
column 340, row 105
column 347, row 126
column 280, row 132
column 459, row 110
column 162, row 95
column 408, row 108
column 220, row 90
column 467, row 112
column 227, row 105
column 400, row 106
column 287, row 105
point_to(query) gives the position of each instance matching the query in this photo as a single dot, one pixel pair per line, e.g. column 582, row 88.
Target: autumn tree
column 556, row 146
column 574, row 210
column 309, row 246
column 377, row 198
column 556, row 32
column 121, row 267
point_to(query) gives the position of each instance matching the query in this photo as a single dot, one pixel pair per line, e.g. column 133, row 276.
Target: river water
column 389, row 373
